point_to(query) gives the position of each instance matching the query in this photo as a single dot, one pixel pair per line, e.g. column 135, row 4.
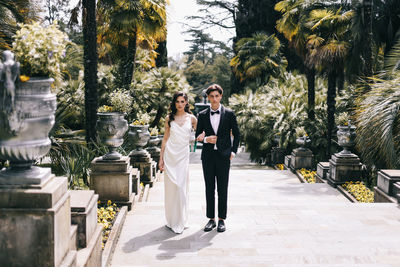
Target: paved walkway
column 273, row 220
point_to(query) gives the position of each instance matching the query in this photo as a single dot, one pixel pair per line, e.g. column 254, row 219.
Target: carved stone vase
column 303, row 142
column 111, row 127
column 153, row 149
column 139, row 136
column 26, row 118
column 346, row 137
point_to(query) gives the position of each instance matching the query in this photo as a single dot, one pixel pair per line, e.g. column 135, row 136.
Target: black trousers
column 216, row 169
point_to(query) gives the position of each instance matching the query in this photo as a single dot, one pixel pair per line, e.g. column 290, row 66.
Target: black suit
column 216, row 163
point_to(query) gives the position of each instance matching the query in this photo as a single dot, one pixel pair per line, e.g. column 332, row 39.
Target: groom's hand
column 201, row 137
column 212, row 139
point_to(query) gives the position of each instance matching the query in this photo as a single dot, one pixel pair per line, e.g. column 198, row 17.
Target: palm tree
column 125, row 21
column 328, row 48
column 11, row 13
column 90, row 67
column 293, row 26
column 258, row 58
column 379, row 110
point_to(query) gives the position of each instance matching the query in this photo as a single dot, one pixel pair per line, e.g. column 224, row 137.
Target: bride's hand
column 161, row 165
column 201, row 136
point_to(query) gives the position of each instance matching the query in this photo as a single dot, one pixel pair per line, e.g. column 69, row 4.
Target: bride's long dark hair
column 172, row 106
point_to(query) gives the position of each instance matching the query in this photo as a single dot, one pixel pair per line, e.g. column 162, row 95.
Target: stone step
column 272, row 219
column 70, row 259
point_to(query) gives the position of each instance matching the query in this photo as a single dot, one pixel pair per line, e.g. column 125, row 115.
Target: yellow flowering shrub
column 360, row 191
column 308, row 175
column 105, row 108
column 106, row 216
column 280, row 166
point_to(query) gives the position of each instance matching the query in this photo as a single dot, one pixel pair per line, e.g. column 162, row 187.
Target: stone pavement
column 273, row 220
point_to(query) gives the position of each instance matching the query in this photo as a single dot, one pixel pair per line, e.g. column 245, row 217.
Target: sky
column 176, row 12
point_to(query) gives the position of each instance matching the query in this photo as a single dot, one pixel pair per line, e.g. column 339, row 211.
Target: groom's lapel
column 208, row 120
column 221, row 118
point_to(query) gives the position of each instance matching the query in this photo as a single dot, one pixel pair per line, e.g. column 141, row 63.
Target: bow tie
column 214, row 112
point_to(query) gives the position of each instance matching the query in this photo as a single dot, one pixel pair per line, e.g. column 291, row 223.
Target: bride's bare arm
column 164, row 141
column 194, row 125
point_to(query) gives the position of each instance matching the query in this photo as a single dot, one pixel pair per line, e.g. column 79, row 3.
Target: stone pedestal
column 277, row 155
column 84, row 214
column 143, row 162
column 322, row 170
column 154, row 154
column 287, row 160
column 135, row 181
column 386, row 180
column 396, row 190
column 112, row 180
column 35, row 225
column 301, row 158
column 344, row 168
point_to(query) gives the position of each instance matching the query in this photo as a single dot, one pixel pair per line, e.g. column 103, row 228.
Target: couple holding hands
column 217, row 128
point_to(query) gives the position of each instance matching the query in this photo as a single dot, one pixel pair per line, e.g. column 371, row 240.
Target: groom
column 218, row 123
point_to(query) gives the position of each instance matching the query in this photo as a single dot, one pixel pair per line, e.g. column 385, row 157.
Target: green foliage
column 278, row 108
column 71, row 157
column 379, row 110
column 153, row 91
column 258, row 58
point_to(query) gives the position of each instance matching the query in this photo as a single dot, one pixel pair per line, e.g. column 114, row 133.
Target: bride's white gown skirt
column 176, row 174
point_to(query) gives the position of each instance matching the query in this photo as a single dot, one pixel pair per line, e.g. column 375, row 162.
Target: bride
column 174, row 161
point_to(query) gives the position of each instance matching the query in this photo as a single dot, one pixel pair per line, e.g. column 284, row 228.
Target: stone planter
column 161, row 137
column 153, row 148
column 139, row 136
column 301, row 157
column 346, row 138
column 26, row 120
column 344, row 166
column 303, row 142
column 111, row 128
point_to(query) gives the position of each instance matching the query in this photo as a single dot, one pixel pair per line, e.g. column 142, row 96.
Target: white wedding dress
column 176, row 174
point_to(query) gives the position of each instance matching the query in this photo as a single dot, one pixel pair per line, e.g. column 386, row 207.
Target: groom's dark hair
column 214, row 87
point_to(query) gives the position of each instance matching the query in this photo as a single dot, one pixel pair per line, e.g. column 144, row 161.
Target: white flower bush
column 119, row 101
column 40, row 49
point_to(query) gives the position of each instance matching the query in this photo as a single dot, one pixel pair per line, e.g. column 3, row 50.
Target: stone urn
column 161, row 137
column 277, row 139
column 153, row 149
column 139, row 136
column 111, row 127
column 346, row 137
column 26, row 116
column 303, row 142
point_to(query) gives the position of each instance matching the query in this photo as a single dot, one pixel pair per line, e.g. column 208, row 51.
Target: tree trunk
column 367, row 51
column 162, row 58
column 160, row 110
column 129, row 62
column 160, row 113
column 90, row 67
column 340, row 81
column 331, row 110
column 310, row 74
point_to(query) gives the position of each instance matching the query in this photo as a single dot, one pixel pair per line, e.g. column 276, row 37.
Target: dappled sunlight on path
column 272, row 219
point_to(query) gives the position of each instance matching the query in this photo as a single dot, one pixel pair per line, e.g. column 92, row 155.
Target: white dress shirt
column 214, row 119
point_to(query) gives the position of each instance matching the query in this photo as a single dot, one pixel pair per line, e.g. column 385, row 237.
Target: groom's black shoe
column 209, row 226
column 221, row 226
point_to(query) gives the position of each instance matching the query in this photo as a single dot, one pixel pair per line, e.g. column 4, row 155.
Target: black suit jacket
column 227, row 124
